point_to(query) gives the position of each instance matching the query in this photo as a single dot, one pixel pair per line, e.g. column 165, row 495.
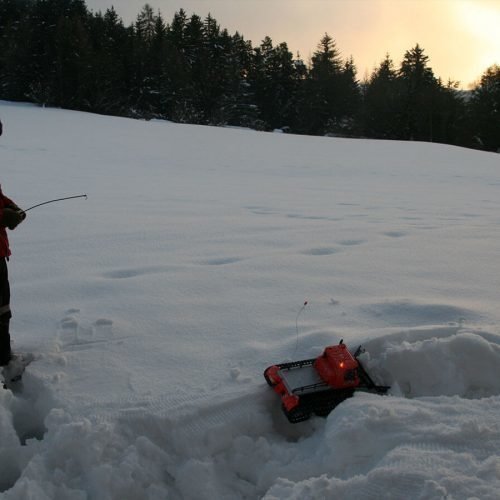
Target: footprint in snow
column 320, row 251
column 103, row 328
column 350, row 243
column 222, row 261
column 135, row 272
column 395, row 234
column 74, row 331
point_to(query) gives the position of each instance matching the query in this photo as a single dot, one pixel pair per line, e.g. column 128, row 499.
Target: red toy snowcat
column 318, row 385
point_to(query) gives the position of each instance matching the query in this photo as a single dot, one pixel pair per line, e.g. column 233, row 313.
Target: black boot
column 5, row 352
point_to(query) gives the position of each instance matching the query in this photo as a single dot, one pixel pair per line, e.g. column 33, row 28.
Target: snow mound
column 451, row 361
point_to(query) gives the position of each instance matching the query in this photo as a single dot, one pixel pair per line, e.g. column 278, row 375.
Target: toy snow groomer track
column 318, row 385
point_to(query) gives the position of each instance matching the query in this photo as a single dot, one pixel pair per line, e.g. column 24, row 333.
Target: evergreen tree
column 348, row 101
column 326, row 61
column 197, row 93
column 332, row 90
column 162, row 84
column 222, row 73
column 41, row 52
column 14, row 49
column 450, row 115
column 145, row 25
column 419, row 89
column 238, row 103
column 73, row 56
column 111, row 65
column 179, row 69
column 143, row 93
column 485, row 109
column 273, row 81
column 382, row 103
column 318, row 103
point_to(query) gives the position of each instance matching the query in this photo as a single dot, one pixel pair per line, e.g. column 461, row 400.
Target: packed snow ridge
column 154, row 307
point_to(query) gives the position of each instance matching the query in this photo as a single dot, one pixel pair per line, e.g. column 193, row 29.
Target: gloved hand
column 12, row 216
column 17, row 209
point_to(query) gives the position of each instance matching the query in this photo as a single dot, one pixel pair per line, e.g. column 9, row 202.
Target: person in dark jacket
column 10, row 217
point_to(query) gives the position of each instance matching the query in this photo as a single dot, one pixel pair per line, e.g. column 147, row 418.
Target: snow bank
column 465, row 364
column 439, row 440
column 155, row 306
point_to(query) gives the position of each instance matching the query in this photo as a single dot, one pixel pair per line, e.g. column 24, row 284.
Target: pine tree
column 382, row 103
column 485, row 109
column 419, row 93
column 238, row 103
column 326, row 61
column 348, row 100
column 181, row 108
column 40, row 62
column 222, row 70
column 14, row 49
column 72, row 55
column 197, row 93
column 333, row 92
column 149, row 35
column 113, row 61
column 272, row 78
column 145, row 25
column 452, row 125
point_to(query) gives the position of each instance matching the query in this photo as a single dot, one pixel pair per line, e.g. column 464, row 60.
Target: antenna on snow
column 297, row 327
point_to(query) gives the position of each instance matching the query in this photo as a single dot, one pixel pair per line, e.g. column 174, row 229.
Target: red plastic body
column 290, row 401
column 337, row 367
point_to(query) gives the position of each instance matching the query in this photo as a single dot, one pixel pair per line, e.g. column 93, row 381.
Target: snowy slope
column 155, row 306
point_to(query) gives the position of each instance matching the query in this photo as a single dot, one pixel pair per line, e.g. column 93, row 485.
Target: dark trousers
column 5, row 313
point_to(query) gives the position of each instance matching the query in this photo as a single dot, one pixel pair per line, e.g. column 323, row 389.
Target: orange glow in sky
column 461, row 37
column 482, row 21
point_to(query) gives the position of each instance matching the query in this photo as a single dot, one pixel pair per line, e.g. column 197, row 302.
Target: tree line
column 190, row 70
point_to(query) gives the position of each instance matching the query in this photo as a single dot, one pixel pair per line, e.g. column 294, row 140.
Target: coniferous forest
column 191, row 70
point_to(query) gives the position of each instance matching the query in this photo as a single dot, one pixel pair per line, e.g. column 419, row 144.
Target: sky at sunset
column 461, row 37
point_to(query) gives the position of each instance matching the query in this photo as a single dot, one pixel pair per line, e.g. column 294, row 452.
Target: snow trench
column 435, row 436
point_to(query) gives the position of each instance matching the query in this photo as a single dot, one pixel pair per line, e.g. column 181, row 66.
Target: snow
column 154, row 307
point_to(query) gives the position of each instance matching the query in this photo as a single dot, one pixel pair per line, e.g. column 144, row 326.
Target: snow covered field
column 154, row 307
